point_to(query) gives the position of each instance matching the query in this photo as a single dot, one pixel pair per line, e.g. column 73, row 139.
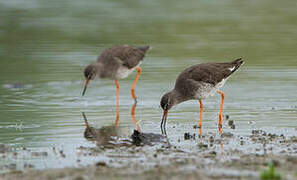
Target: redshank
column 117, row 63
column 197, row 83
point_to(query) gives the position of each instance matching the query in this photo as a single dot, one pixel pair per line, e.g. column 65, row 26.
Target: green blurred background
column 42, row 40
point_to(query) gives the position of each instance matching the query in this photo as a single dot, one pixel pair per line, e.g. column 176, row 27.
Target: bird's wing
column 129, row 56
column 211, row 73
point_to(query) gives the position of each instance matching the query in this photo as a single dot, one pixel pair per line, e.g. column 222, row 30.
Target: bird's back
column 120, row 56
column 205, row 76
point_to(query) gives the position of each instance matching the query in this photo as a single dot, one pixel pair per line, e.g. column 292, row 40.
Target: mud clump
column 233, row 156
column 140, row 139
column 231, row 124
column 226, row 135
column 202, row 145
column 227, row 117
column 257, row 132
column 188, row 136
column 196, row 127
column 101, row 164
column 27, row 165
column 211, row 139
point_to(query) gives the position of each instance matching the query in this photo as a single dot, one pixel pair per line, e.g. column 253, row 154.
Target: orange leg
column 201, row 114
column 118, row 102
column 221, row 111
column 139, row 69
column 133, row 117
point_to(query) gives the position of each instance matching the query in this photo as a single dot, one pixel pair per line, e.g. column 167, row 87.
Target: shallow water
column 44, row 47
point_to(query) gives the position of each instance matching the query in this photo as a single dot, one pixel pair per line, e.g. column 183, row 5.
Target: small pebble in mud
column 227, row 135
column 230, row 123
column 276, row 162
column 211, row 139
column 196, row 126
column 264, row 134
column 62, row 154
column 282, row 136
column 26, row 165
column 251, row 122
column 272, row 136
column 201, row 136
column 189, row 136
column 241, row 142
column 155, row 155
column 201, row 145
column 101, row 163
column 227, row 117
column 233, row 126
column 211, row 154
column 293, row 139
column 257, row 131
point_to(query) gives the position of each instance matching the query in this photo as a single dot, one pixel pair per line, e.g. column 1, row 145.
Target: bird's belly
column 206, row 89
column 124, row 72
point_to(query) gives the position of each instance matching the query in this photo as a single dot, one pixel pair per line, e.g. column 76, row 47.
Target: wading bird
column 197, row 83
column 117, row 63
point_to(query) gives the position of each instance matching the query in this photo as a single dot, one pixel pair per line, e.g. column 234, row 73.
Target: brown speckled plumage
column 191, row 80
column 114, row 58
column 116, row 62
column 198, row 82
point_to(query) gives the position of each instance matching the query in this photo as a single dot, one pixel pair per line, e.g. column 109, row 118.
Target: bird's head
column 167, row 102
column 90, row 73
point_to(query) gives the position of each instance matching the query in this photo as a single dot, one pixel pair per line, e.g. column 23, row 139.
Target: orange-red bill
column 86, row 85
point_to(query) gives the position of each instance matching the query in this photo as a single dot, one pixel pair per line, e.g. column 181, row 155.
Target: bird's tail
column 236, row 64
column 144, row 49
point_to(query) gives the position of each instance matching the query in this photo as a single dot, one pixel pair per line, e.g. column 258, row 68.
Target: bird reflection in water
column 118, row 136
column 133, row 117
column 107, row 136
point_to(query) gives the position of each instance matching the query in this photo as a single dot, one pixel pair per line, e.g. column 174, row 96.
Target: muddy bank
column 207, row 166
column 211, row 156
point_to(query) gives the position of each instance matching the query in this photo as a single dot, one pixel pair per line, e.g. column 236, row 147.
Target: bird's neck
column 99, row 68
column 176, row 97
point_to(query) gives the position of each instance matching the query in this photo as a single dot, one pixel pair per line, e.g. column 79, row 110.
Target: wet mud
column 153, row 156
